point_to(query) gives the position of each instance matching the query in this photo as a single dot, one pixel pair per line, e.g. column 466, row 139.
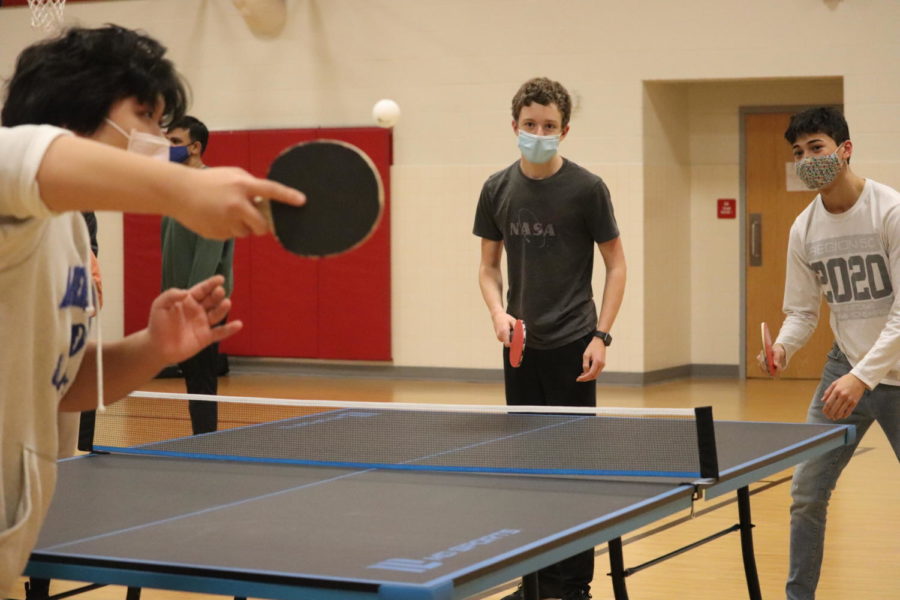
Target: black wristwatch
column 607, row 339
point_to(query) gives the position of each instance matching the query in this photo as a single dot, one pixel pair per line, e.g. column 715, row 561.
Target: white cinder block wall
column 658, row 87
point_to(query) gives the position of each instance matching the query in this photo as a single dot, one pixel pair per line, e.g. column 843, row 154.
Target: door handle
column 755, row 239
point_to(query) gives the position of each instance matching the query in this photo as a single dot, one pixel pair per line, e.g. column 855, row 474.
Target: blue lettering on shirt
column 77, row 288
column 59, row 375
column 77, row 295
column 78, row 338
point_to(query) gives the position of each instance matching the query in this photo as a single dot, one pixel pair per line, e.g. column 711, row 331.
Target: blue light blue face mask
column 178, row 154
column 538, row 149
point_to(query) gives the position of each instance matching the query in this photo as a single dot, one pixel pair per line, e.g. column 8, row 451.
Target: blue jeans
column 815, row 479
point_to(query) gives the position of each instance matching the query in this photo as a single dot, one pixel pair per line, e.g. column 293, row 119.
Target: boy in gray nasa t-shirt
column 548, row 228
column 547, row 213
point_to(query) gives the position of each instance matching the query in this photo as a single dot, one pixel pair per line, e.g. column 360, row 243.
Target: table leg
column 617, row 569
column 37, row 589
column 746, row 528
column 530, row 589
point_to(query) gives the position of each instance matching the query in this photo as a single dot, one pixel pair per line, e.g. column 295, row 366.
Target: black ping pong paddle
column 344, row 198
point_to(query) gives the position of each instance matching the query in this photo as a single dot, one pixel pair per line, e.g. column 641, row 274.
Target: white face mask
column 145, row 144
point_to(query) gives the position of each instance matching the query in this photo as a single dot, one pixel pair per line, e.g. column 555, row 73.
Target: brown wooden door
column 770, row 211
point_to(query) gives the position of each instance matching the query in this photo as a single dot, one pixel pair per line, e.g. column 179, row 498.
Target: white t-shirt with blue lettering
column 46, row 296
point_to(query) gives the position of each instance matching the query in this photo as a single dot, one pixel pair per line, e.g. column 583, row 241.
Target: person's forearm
column 802, row 298
column 78, row 174
column 127, row 364
column 613, row 293
column 490, row 280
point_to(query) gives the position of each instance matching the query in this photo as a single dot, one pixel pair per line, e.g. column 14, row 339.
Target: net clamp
column 695, row 497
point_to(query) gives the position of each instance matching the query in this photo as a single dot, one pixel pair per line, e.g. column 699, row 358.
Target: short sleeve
column 485, row 222
column 601, row 217
column 22, row 150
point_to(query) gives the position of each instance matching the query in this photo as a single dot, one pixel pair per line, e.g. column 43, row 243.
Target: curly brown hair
column 543, row 91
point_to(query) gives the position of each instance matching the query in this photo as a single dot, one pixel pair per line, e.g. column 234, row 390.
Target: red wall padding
column 142, row 266
column 25, row 2
column 334, row 308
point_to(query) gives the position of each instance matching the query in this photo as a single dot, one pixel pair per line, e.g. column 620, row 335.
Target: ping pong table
column 289, row 531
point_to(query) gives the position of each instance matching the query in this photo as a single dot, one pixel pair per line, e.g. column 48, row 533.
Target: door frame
column 742, row 212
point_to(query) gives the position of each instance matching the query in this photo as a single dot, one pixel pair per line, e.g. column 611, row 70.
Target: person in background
column 844, row 246
column 188, row 258
column 548, row 214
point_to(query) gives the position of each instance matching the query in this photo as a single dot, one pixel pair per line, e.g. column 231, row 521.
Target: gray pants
column 815, row 479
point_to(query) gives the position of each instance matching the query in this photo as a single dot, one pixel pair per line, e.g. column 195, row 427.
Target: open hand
column 183, row 322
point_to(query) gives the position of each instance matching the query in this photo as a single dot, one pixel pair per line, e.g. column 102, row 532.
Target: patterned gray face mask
column 818, row 171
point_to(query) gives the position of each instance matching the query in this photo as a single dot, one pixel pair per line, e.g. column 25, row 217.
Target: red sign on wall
column 726, row 208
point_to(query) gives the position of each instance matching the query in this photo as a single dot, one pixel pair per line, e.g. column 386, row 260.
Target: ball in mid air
column 386, row 113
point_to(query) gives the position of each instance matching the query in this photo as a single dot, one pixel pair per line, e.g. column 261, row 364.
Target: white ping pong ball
column 386, row 113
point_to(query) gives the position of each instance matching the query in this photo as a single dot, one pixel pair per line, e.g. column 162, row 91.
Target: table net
column 555, row 441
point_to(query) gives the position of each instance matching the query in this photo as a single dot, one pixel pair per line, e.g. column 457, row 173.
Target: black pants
column 86, row 425
column 547, row 378
column 201, row 377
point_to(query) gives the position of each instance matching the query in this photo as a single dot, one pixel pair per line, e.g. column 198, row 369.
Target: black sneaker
column 579, row 594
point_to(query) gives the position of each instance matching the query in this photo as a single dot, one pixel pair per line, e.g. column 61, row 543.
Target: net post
column 706, row 442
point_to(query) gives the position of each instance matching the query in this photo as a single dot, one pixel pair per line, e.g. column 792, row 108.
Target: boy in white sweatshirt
column 846, row 246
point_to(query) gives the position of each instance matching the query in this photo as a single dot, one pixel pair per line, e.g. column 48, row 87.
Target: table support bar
column 618, row 572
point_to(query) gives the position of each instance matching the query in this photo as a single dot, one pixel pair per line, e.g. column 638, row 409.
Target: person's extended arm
column 884, row 354
column 490, row 280
column 802, row 297
column 181, row 324
column 594, row 357
column 79, row 174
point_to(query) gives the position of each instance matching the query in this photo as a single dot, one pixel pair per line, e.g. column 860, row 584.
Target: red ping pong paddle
column 344, row 198
column 767, row 348
column 517, row 343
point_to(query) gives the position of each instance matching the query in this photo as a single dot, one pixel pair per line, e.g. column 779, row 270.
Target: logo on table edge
column 433, row 561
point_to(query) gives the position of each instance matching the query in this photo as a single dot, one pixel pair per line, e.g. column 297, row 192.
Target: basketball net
column 47, row 14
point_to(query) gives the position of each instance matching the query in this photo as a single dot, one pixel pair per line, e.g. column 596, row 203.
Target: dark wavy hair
column 73, row 80
column 823, row 119
column 546, row 92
